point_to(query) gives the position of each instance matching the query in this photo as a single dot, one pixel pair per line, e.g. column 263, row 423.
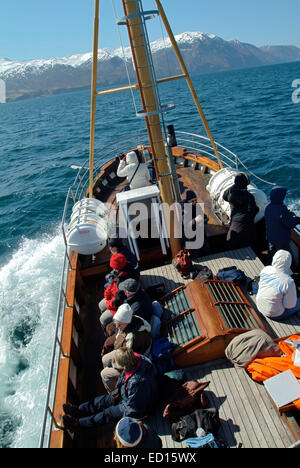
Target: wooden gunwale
column 69, row 351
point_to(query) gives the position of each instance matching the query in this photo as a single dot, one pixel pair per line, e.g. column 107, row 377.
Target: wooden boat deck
column 248, row 416
column 190, row 179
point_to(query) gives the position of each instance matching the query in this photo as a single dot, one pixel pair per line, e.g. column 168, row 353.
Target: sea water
column 43, row 140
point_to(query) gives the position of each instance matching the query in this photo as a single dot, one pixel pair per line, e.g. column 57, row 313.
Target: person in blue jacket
column 279, row 221
column 135, row 396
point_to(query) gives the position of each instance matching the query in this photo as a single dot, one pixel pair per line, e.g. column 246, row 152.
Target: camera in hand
column 120, row 156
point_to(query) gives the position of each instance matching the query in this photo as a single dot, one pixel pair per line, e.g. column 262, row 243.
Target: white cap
column 123, row 314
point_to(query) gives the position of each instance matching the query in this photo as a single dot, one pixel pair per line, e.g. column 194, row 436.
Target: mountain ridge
column 202, row 52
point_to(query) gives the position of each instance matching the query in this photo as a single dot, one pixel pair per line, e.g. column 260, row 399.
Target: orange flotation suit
column 262, row 369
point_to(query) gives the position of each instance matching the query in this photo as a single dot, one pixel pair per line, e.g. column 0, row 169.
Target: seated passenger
column 277, row 295
column 137, row 173
column 121, row 269
column 113, row 298
column 116, row 246
column 137, row 298
column 135, row 396
column 132, row 434
column 109, row 304
column 127, row 330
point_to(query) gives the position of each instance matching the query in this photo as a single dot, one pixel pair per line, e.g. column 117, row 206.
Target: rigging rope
column 124, row 58
column 254, row 175
column 165, row 45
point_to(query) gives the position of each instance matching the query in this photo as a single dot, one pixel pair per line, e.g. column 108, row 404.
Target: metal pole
column 93, row 97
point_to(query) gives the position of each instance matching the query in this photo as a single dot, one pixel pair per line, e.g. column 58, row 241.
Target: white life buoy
column 87, row 231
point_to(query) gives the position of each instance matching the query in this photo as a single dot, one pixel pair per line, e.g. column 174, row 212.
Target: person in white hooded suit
column 137, row 173
column 277, row 294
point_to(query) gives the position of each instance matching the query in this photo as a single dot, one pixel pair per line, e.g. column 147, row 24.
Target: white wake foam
column 295, row 207
column 29, row 285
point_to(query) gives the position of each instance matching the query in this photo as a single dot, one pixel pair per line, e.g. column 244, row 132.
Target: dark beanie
column 241, row 180
column 118, row 262
column 190, row 194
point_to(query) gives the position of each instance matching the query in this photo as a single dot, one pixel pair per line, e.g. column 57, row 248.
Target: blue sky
column 32, row 29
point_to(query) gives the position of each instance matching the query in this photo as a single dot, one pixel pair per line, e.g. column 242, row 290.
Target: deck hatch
column 234, row 310
column 177, row 302
column 183, row 329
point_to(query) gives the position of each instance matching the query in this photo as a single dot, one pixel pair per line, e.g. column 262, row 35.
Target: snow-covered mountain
column 202, row 52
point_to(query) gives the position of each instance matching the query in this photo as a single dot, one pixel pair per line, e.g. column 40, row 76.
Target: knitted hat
column 118, row 261
column 130, row 285
column 129, row 432
column 123, row 314
column 190, row 194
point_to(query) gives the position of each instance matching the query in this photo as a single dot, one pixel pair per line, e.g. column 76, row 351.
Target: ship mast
column 151, row 109
column 93, row 98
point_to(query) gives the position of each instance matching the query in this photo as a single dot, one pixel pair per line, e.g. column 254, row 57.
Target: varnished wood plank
column 243, row 401
column 235, row 407
column 273, row 431
column 194, row 180
column 62, row 385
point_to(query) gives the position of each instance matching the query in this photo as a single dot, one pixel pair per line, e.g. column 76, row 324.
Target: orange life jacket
column 262, row 369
